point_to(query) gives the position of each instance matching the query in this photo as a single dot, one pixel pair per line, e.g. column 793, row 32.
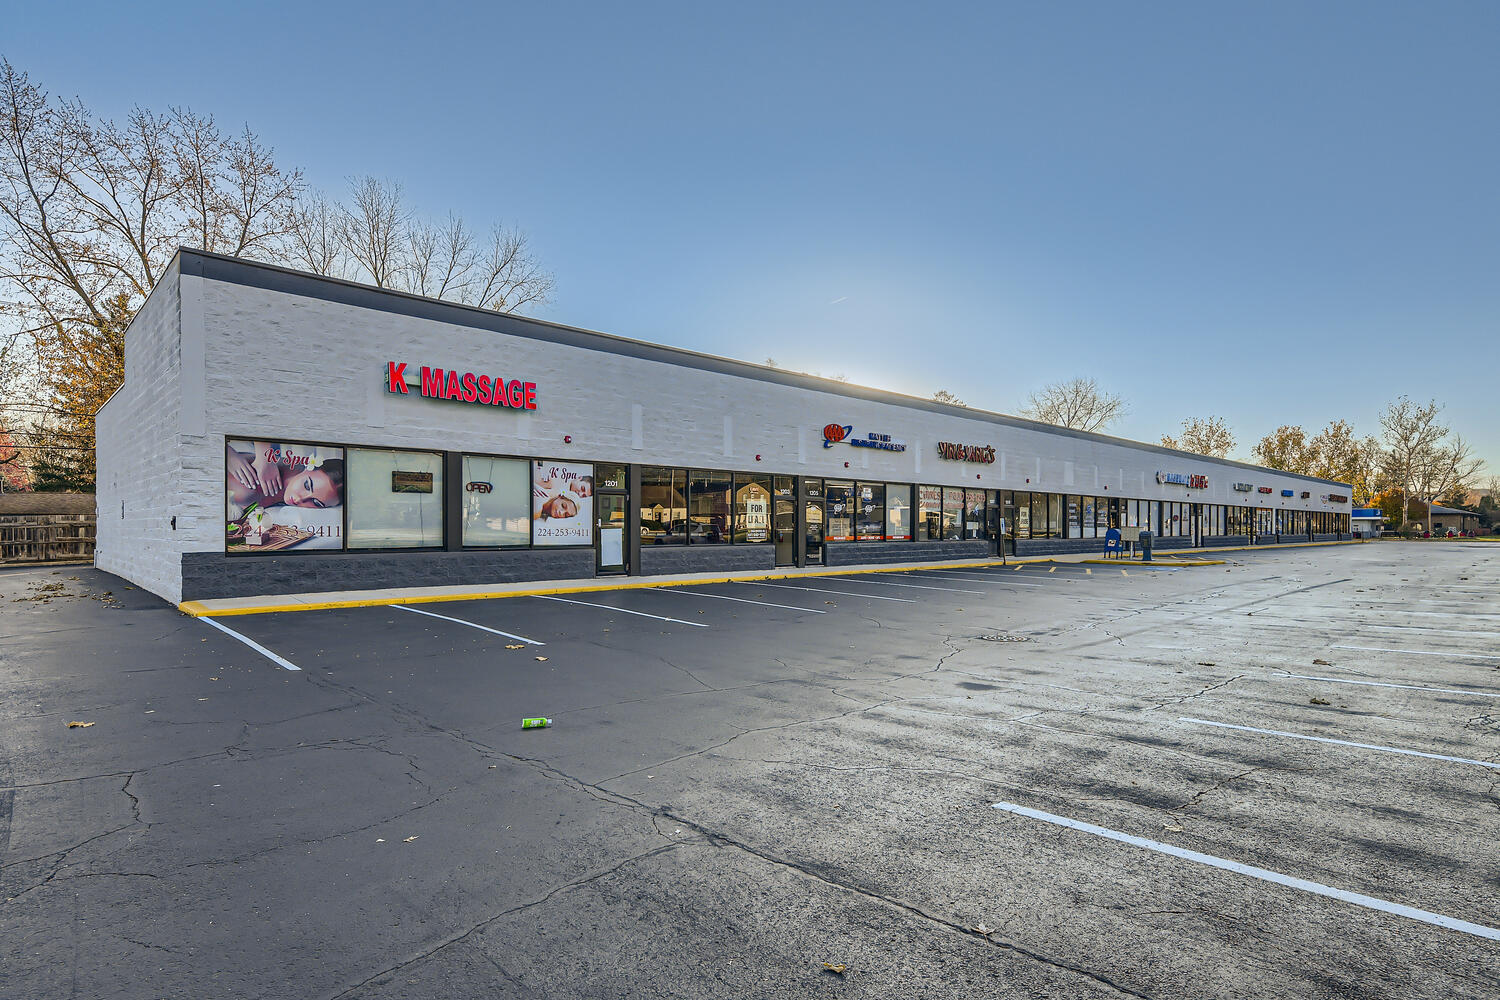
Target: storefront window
column 953, row 513
column 1088, row 517
column 708, row 507
column 839, row 501
column 663, row 506
column 929, row 513
column 562, row 503
column 496, row 501
column 1074, row 530
column 752, row 508
column 869, row 519
column 1054, row 515
column 609, row 477
column 395, row 499
column 973, row 513
column 897, row 512
column 1023, row 515
column 281, row 496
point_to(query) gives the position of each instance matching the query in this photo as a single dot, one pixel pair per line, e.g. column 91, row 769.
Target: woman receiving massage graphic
column 270, row 475
column 552, row 499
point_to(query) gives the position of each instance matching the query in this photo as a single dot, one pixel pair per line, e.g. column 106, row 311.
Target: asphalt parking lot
column 1274, row 778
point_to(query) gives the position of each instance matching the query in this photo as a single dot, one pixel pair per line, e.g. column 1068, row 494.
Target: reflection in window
column 973, row 513
column 708, row 507
column 929, row 513
column 496, row 501
column 869, row 508
column 840, row 507
column 663, row 506
column 897, row 512
column 953, row 513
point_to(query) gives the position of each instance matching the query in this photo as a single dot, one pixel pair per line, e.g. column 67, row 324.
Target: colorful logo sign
column 463, row 387
column 1288, row 493
column 834, row 433
column 1265, row 489
column 1182, row 479
column 1243, row 487
column 981, row 453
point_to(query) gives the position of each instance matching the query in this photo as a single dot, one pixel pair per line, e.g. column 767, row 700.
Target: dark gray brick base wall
column 854, row 553
column 658, row 560
column 1210, row 541
column 207, row 575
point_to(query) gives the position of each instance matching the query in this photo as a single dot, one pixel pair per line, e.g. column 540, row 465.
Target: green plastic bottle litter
column 535, row 723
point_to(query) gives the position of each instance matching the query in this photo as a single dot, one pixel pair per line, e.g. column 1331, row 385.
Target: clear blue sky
column 1210, row 208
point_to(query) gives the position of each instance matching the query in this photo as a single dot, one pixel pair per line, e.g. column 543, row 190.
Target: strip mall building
column 279, row 432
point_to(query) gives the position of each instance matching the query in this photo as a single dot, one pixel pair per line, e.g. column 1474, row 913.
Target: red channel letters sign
column 463, row 387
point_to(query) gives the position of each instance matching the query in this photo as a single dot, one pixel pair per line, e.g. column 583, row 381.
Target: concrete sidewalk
column 227, row 606
column 223, row 607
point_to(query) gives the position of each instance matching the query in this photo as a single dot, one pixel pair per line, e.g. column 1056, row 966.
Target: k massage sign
column 466, row 387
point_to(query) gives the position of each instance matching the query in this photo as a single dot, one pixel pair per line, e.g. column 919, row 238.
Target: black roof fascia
column 275, row 278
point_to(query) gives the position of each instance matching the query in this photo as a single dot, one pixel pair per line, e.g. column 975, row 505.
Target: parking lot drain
column 1005, row 637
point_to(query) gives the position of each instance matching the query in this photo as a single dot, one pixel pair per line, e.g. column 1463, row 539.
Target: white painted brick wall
column 278, row 366
column 139, row 455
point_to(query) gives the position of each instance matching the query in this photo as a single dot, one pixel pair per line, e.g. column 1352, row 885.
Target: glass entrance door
column 610, row 544
column 784, row 520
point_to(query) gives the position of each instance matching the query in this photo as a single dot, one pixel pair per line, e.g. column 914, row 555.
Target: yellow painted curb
column 1170, row 562
column 199, row 609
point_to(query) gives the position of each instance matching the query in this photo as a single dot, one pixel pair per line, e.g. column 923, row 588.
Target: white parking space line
column 1423, row 652
column 1355, row 625
column 460, row 621
column 1264, row 875
column 623, row 611
column 1383, row 684
column 978, row 579
column 741, row 600
column 263, row 651
column 818, row 590
column 908, row 586
column 1342, row 743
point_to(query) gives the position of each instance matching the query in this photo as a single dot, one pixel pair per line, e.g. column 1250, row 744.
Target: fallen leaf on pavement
column 541, row 658
column 1172, row 828
column 1319, row 701
column 515, row 645
column 981, row 929
column 1206, row 663
column 79, row 725
column 408, row 840
column 1321, row 663
column 837, row 970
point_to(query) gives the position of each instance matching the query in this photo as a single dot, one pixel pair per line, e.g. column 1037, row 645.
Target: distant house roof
column 46, row 503
column 1367, row 512
column 1453, row 511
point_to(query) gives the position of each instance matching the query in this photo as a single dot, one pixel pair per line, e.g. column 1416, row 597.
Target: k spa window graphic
column 562, row 503
column 280, row 496
column 835, row 433
column 1183, row 479
column 462, row 387
column 982, row 453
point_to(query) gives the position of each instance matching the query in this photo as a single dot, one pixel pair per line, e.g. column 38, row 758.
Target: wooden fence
column 41, row 538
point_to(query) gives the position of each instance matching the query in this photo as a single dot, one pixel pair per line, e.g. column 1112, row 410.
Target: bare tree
column 944, row 396
column 508, row 278
column 373, row 228
column 1079, row 404
column 1202, row 436
column 1412, row 433
column 314, row 239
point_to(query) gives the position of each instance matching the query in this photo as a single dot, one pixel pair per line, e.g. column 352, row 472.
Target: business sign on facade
column 463, row 387
column 1265, row 489
column 1288, row 493
column 834, row 433
column 1183, row 479
column 1243, row 487
column 984, row 454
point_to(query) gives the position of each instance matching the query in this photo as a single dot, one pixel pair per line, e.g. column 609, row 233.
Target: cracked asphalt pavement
column 735, row 792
